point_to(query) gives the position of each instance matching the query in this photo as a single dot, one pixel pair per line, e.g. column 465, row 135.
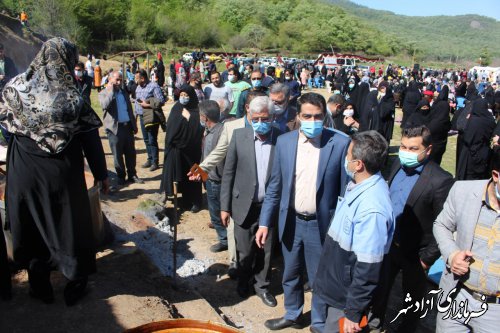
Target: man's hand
column 460, row 263
column 193, row 177
column 350, row 326
column 495, row 140
column 225, row 218
column 261, row 236
column 145, row 105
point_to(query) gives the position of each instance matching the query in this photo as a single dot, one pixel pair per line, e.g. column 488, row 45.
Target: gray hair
column 210, row 109
column 260, row 103
column 336, row 99
column 280, row 88
column 371, row 148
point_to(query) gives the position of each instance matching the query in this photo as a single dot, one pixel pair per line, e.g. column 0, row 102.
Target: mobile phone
column 139, row 100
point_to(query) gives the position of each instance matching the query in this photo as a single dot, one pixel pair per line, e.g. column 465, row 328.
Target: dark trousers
column 5, row 284
column 213, row 199
column 122, row 145
column 304, row 247
column 150, row 136
column 414, row 283
column 252, row 261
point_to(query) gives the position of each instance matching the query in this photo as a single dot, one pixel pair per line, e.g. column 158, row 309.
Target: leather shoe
column 147, row 164
column 154, row 167
column 195, row 209
column 218, row 248
column 268, row 299
column 281, row 323
column 136, row 180
column 74, row 291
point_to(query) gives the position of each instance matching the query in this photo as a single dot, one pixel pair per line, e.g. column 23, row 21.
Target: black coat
column 48, row 205
column 473, row 160
column 424, row 204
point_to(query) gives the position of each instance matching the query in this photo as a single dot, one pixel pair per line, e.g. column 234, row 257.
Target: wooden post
column 147, row 63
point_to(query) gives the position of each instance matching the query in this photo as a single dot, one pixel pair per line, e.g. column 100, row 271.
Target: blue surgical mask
column 336, row 92
column 184, row 100
column 409, row 160
column 351, row 85
column 312, row 128
column 256, row 83
column 346, row 167
column 261, row 127
column 203, row 124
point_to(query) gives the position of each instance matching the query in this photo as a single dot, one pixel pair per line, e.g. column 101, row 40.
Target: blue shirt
column 401, row 187
column 121, row 106
column 262, row 155
column 364, row 221
column 152, row 89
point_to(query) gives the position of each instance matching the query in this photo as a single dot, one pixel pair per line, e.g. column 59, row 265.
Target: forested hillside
column 287, row 26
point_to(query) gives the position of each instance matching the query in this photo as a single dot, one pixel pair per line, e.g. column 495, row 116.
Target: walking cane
column 176, row 221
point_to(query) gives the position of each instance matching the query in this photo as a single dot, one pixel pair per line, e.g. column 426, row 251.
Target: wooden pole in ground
column 176, row 221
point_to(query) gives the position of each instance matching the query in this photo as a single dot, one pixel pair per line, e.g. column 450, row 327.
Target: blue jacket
column 359, row 236
column 331, row 181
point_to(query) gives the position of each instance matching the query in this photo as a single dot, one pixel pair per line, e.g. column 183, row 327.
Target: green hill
column 291, row 27
column 439, row 37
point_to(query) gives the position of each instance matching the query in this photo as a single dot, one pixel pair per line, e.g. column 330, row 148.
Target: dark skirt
column 48, row 208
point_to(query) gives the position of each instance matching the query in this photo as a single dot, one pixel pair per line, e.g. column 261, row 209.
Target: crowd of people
column 280, row 163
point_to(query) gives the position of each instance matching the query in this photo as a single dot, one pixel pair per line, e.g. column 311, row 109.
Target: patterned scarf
column 44, row 103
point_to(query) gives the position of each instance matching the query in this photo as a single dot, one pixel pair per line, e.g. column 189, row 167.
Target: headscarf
column 443, row 95
column 193, row 98
column 44, row 103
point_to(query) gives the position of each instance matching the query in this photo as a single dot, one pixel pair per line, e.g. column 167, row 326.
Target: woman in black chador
column 48, row 210
column 183, row 148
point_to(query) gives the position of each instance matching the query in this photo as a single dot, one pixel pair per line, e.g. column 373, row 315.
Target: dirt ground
column 129, row 290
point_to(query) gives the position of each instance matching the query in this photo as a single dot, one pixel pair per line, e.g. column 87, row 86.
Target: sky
column 489, row 8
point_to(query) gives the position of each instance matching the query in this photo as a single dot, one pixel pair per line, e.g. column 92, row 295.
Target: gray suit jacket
column 239, row 179
column 107, row 99
column 460, row 214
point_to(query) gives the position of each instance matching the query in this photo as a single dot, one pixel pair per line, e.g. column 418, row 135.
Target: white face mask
column 230, row 78
column 287, row 78
column 348, row 112
column 78, row 74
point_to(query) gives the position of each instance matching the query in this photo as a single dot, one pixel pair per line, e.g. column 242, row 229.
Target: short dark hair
column 414, row 132
column 371, row 148
column 143, row 74
column 314, row 99
column 214, row 72
column 495, row 158
column 195, row 76
column 336, row 99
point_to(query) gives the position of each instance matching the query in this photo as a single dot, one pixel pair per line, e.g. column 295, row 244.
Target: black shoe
column 154, row 167
column 74, row 291
column 218, row 248
column 146, row 165
column 39, row 281
column 268, row 299
column 136, row 180
column 121, row 181
column 195, row 209
column 232, row 271
column 281, row 323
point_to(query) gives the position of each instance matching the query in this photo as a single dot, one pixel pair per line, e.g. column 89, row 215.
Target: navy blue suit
column 302, row 240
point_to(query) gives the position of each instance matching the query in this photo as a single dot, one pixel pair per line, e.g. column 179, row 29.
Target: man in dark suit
column 307, row 178
column 246, row 174
column 121, row 125
column 418, row 188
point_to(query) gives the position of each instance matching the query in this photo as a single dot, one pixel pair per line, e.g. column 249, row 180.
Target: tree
column 485, row 57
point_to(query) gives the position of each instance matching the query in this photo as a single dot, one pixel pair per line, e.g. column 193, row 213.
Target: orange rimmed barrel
column 183, row 326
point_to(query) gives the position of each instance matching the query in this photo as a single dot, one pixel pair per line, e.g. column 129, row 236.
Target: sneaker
column 195, row 209
column 154, row 167
column 147, row 164
column 218, row 248
column 136, row 180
